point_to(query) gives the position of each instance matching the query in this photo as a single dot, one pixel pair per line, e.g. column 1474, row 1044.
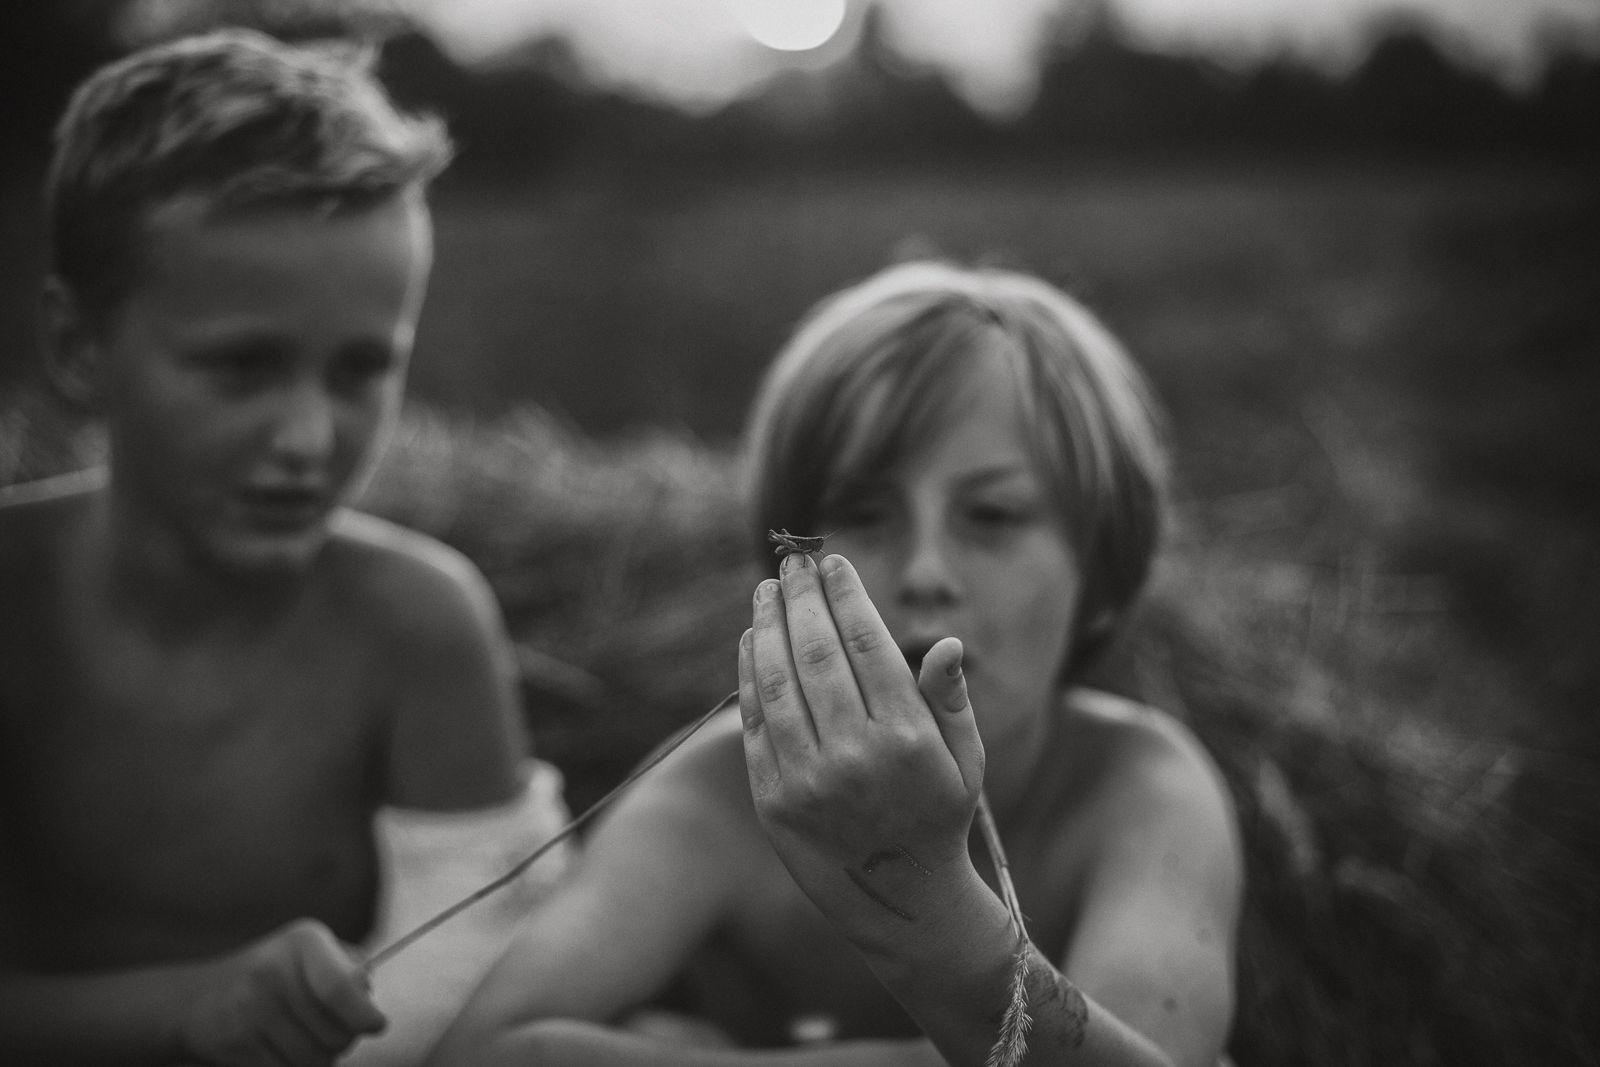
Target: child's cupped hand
column 295, row 997
column 864, row 778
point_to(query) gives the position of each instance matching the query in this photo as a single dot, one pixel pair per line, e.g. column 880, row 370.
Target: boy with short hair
column 212, row 674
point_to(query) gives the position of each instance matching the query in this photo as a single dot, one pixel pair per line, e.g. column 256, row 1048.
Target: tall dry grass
column 621, row 568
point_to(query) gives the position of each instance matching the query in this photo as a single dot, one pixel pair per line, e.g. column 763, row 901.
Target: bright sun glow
column 790, row 25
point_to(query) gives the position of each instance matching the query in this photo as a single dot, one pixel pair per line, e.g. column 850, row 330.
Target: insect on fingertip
column 788, row 543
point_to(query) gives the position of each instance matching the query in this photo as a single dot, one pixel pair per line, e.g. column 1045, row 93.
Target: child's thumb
column 944, row 688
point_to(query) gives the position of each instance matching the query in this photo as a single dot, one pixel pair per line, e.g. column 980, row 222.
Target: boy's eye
column 361, row 364
column 242, row 365
column 859, row 505
column 996, row 515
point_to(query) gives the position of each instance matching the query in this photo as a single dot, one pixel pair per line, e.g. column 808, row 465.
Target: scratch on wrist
column 879, row 898
column 893, row 854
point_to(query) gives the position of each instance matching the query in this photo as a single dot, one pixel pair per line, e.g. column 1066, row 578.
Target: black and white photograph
column 800, row 533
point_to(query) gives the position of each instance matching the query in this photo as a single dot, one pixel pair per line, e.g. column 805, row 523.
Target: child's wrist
column 180, row 990
column 962, row 933
column 955, row 977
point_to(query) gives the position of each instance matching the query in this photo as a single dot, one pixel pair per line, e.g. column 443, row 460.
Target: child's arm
column 868, row 798
column 573, row 1043
column 461, row 802
column 1155, row 932
column 657, row 875
column 454, row 739
column 294, row 997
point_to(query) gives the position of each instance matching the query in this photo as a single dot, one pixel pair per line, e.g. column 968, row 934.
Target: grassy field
column 1376, row 608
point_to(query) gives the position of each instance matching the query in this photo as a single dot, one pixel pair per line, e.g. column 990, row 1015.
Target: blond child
column 213, row 675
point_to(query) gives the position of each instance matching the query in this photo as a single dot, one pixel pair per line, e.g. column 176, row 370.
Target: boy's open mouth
column 914, row 649
column 284, row 507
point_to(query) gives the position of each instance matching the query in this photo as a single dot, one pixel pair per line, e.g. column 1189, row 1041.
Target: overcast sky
column 700, row 53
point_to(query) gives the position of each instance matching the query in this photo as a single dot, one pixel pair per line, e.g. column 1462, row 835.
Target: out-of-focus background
column 1355, row 243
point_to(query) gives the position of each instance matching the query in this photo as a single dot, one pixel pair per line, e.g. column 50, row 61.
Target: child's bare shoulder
column 456, row 737
column 422, row 587
column 1153, row 768
column 1160, row 864
column 701, row 792
column 706, row 777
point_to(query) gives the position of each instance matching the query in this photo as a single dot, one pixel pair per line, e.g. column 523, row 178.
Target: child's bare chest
column 782, row 973
column 157, row 801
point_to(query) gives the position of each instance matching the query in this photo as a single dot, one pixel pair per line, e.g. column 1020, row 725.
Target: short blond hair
column 869, row 372
column 234, row 118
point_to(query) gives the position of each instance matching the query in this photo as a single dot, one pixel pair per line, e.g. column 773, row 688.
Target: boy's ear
column 70, row 345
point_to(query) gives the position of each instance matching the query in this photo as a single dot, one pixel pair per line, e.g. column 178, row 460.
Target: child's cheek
column 1042, row 625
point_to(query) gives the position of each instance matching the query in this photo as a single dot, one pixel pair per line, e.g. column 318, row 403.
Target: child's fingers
column 821, row 665
column 290, row 1043
column 325, row 1030
column 944, row 688
column 760, row 758
column 336, row 981
column 783, row 707
column 879, row 667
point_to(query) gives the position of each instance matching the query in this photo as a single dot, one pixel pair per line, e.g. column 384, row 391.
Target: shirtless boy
column 211, row 673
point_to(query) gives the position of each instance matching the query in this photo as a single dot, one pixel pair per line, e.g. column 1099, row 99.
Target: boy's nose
column 303, row 433
column 927, row 579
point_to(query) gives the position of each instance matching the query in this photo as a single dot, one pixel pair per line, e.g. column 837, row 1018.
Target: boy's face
column 962, row 538
column 248, row 375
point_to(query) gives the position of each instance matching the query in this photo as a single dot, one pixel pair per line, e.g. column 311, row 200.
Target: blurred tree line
column 1098, row 96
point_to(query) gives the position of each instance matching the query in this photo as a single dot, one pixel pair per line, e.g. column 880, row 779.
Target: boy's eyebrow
column 213, row 328
column 1000, row 472
column 203, row 349
column 978, row 478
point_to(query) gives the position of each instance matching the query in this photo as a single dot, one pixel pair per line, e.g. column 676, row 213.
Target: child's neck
column 142, row 569
column 1010, row 769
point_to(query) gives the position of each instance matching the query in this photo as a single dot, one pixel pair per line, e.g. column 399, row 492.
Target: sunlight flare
column 790, row 25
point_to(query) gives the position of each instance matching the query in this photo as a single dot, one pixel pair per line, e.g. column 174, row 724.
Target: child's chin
column 265, row 555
